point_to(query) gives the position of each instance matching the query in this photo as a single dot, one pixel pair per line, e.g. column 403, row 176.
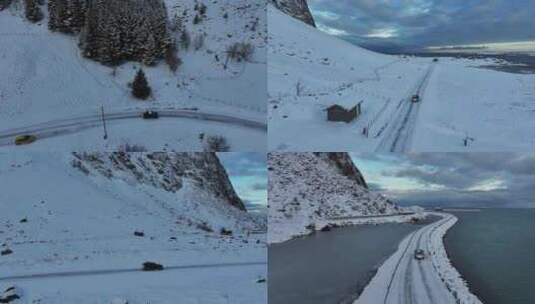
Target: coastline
column 295, row 232
column 443, row 284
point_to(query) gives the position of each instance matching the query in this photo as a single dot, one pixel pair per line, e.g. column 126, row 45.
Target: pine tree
column 202, row 9
column 5, row 4
column 176, row 24
column 33, row 11
column 185, row 40
column 77, row 10
column 125, row 30
column 196, row 19
column 52, row 15
column 172, row 59
column 140, row 86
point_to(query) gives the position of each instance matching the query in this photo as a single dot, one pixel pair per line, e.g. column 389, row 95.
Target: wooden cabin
column 339, row 113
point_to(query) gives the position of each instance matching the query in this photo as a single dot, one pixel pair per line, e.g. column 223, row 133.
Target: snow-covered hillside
column 69, row 219
column 308, row 191
column 45, row 78
column 309, row 70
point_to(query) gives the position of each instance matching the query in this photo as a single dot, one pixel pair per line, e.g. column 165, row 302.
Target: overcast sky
column 248, row 174
column 424, row 23
column 452, row 179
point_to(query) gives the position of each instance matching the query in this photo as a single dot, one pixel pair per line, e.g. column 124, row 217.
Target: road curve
column 116, row 271
column 405, row 280
column 398, row 136
column 76, row 124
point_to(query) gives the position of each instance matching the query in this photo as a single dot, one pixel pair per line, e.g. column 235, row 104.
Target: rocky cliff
column 310, row 190
column 296, row 8
column 169, row 171
column 194, row 187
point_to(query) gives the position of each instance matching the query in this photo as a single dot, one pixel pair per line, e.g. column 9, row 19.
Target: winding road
column 399, row 134
column 405, row 280
column 76, row 124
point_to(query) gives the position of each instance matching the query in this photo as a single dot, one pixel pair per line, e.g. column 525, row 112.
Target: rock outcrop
column 169, row 171
column 296, row 8
column 307, row 191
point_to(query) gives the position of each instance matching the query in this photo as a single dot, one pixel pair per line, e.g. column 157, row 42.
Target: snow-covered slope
column 309, row 70
column 45, row 78
column 64, row 213
column 310, row 190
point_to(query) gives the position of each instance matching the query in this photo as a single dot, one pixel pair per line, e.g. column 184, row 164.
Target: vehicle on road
column 415, row 98
column 151, row 266
column 435, row 60
column 150, row 115
column 419, row 254
column 25, row 139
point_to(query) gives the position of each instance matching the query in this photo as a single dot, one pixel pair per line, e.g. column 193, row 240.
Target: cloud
column 491, row 179
column 248, row 174
column 423, row 23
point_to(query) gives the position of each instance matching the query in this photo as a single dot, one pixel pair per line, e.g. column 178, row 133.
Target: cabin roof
column 336, row 107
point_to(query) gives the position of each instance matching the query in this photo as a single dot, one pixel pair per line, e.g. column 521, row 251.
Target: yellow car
column 25, row 139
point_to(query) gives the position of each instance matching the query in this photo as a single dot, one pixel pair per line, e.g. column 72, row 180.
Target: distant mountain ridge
column 296, row 8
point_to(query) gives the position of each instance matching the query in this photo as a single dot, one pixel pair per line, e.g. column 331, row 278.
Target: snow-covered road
column 398, row 135
column 403, row 279
column 76, row 124
column 118, row 271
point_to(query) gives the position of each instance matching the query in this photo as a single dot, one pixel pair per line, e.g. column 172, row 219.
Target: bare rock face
column 309, row 190
column 296, row 8
column 345, row 165
column 169, row 171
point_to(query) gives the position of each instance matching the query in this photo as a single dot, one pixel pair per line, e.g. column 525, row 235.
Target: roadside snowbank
column 442, row 264
column 434, row 279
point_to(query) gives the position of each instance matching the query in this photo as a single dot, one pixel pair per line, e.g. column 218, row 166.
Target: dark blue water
column 494, row 250
column 330, row 267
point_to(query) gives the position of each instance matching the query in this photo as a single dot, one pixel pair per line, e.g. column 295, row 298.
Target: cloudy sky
column 248, row 174
column 423, row 23
column 452, row 179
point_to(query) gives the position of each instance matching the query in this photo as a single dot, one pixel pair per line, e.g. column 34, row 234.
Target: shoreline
column 333, row 223
column 445, row 268
column 455, row 266
column 449, row 286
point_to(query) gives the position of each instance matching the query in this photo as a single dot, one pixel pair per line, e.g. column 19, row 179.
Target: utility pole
column 467, row 140
column 104, row 123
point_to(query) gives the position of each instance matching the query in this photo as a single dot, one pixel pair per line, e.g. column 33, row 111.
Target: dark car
column 25, row 140
column 150, row 115
column 151, row 266
column 419, row 254
column 415, row 98
column 435, row 60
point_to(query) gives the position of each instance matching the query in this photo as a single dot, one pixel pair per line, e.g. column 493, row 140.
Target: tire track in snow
column 128, row 270
column 422, row 271
column 400, row 131
column 74, row 125
column 390, row 283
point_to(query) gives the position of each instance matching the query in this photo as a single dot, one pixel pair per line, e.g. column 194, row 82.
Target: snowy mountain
column 310, row 190
column 54, row 76
column 170, row 171
column 295, row 8
column 459, row 99
column 114, row 211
